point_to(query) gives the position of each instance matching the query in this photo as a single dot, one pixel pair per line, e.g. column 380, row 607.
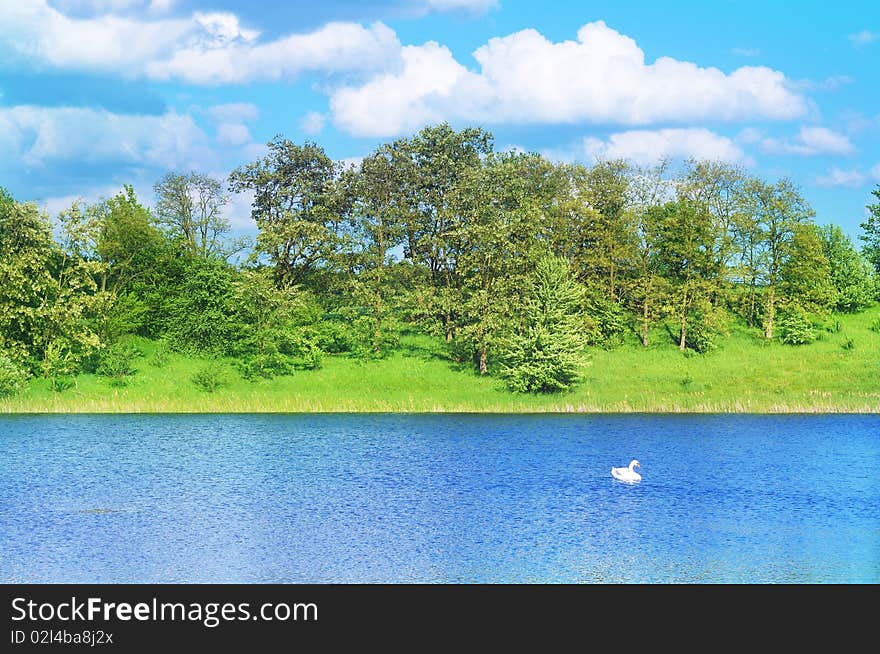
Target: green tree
column 380, row 209
column 48, row 293
column 777, row 210
column 498, row 240
column 805, row 276
column 440, row 159
column 871, row 232
column 852, row 275
column 545, row 353
column 295, row 206
column 647, row 290
column 190, row 206
column 685, row 248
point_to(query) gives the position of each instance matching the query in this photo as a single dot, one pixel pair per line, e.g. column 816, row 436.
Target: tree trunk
column 645, row 323
column 682, row 344
column 484, row 366
column 771, row 314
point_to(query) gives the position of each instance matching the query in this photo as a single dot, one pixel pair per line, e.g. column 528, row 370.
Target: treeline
column 517, row 263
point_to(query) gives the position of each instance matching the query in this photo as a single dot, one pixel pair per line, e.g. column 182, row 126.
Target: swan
column 627, row 474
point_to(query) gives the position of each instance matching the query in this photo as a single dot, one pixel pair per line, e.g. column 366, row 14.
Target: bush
column 332, row 336
column 875, row 326
column 12, row 378
column 795, row 326
column 606, row 321
column 849, row 345
column 210, row 378
column 160, row 354
column 266, row 365
column 117, row 363
column 705, row 325
column 58, row 366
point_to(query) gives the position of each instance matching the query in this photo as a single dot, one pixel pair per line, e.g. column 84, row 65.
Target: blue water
column 461, row 498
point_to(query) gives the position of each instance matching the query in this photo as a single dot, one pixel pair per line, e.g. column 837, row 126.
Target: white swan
column 627, row 474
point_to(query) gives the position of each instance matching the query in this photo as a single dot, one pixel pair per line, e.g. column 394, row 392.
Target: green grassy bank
column 838, row 373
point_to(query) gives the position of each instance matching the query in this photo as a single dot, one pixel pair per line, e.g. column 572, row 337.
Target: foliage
column 853, row 277
column 795, row 326
column 117, row 363
column 211, row 377
column 871, row 232
column 545, row 354
column 13, row 378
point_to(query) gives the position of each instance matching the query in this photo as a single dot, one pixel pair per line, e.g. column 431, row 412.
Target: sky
column 98, row 93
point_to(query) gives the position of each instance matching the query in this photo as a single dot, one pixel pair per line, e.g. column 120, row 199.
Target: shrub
column 58, row 366
column 12, row 378
column 795, row 326
column 705, row 325
column 547, row 353
column 210, row 378
column 117, row 363
column 875, row 326
column 605, row 320
column 266, row 365
column 849, row 345
column 160, row 354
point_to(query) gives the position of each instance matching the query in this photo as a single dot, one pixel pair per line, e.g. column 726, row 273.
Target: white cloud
column 852, row 178
column 41, row 135
column 204, row 48
column 35, row 32
column 862, row 38
column 810, row 141
column 838, row 177
column 113, row 6
column 600, row 78
column 234, row 111
column 335, row 47
column 645, row 147
column 313, row 122
column 230, row 122
column 468, row 5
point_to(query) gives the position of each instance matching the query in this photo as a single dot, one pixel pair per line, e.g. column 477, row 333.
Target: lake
column 439, row 498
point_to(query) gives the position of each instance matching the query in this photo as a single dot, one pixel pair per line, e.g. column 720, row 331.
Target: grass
column 840, row 372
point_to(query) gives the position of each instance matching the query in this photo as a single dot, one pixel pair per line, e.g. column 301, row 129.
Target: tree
column 685, row 249
column 545, row 353
column 48, row 293
column 607, row 237
column 647, row 289
column 190, row 207
column 805, row 275
column 498, row 240
column 871, row 229
column 777, row 210
column 852, row 275
column 380, row 210
column 441, row 159
column 717, row 190
column 295, row 207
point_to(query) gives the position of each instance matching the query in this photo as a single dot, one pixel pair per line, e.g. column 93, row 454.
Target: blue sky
column 97, row 93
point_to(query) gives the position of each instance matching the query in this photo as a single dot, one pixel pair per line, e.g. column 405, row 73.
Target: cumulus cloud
column 230, row 122
column 335, row 47
column 43, row 135
column 113, row 6
column 863, row 38
column 204, row 48
column 645, row 147
column 852, row 178
column 523, row 78
column 467, row 5
column 810, row 141
column 313, row 122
